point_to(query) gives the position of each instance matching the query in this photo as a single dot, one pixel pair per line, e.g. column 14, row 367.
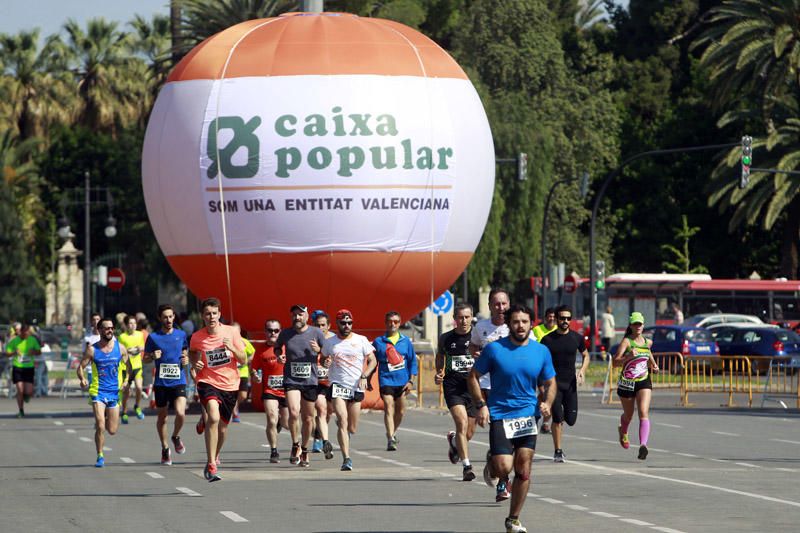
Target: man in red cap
column 298, row 348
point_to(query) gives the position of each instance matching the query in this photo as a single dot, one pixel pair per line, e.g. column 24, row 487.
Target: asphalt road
column 709, row 470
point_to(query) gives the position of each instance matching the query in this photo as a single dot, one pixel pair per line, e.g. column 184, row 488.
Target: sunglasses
column 269, row 330
column 107, row 328
column 565, row 318
column 346, row 322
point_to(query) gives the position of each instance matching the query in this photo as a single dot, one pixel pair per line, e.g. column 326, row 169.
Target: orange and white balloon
column 322, row 159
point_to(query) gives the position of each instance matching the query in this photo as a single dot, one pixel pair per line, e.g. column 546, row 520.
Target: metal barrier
column 426, row 371
column 731, row 374
column 70, row 375
column 782, row 381
column 670, row 376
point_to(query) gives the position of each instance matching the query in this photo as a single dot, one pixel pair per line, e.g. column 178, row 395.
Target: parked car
column 759, row 341
column 686, row 340
column 710, row 319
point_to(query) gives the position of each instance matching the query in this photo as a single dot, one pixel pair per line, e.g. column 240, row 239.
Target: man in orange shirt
column 265, row 368
column 215, row 351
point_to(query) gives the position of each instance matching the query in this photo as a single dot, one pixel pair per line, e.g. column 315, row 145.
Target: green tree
column 152, row 40
column 682, row 261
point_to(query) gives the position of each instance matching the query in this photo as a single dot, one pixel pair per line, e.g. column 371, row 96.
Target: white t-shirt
column 91, row 339
column 483, row 333
column 348, row 356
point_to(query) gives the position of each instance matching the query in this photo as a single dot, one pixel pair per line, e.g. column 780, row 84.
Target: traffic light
column 522, row 166
column 600, row 275
column 747, row 160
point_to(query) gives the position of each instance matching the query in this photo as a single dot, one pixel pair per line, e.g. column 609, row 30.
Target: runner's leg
column 388, row 414
column 342, row 423
column 99, row 410
column 293, row 401
column 523, row 458
column 462, row 421
column 307, row 411
column 399, row 411
column 271, row 410
column 212, row 431
column 180, row 415
column 161, row 425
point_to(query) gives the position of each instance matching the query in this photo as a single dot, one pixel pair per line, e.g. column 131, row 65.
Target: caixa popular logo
column 233, row 145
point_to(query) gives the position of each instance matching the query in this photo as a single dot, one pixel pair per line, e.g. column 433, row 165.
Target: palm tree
column 35, row 94
column 152, row 40
column 203, row 18
column 590, row 13
column 107, row 76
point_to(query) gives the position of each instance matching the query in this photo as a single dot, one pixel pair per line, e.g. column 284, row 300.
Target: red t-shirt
column 220, row 370
column 271, row 371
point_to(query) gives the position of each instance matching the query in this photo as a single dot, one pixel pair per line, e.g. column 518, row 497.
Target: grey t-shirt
column 301, row 360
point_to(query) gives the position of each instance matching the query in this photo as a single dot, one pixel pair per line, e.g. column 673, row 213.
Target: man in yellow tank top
column 133, row 341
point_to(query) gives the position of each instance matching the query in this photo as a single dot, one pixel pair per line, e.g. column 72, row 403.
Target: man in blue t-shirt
column 516, row 365
column 168, row 348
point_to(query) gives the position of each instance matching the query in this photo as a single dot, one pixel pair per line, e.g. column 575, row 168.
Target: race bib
column 25, row 359
column 322, row 372
column 398, row 366
column 626, row 384
column 461, row 363
column 218, row 357
column 519, row 427
column 345, row 393
column 169, row 371
column 275, row 382
column 301, row 370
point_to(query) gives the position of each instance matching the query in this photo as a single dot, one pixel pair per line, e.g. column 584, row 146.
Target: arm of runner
column 88, row 355
column 372, row 364
column 653, row 365
column 474, row 388
column 439, row 378
column 412, row 368
column 474, row 350
column 584, row 367
column 549, row 397
column 619, row 357
column 196, row 359
column 237, row 348
column 126, row 358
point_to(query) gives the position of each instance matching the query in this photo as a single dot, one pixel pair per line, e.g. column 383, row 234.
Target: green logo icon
column 244, row 137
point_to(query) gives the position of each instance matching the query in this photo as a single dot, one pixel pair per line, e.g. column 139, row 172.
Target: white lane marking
column 551, row 500
column 635, row 522
column 397, row 463
column 668, row 425
column 726, row 434
column 70, row 430
column 374, row 457
column 154, row 475
column 717, row 460
column 787, row 469
column 667, row 529
column 786, row 441
column 259, row 426
column 685, row 454
column 188, row 491
column 659, row 450
column 233, row 516
column 126, row 460
column 690, row 483
column 577, row 507
column 58, row 422
column 748, row 465
column 604, row 515
column 85, row 439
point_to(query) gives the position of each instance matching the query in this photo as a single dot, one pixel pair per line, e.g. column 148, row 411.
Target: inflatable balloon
column 322, row 159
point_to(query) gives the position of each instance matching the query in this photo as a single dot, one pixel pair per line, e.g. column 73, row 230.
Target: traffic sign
column 116, row 279
column 443, row 304
column 570, row 283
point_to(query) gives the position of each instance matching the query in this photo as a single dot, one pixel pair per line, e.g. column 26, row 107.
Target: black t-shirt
column 457, row 359
column 564, row 350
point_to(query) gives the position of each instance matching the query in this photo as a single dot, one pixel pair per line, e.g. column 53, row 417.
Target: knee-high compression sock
column 644, row 431
column 624, row 423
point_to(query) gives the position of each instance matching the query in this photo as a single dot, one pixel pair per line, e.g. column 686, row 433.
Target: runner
column 133, row 341
column 244, row 372
column 321, row 444
column 167, row 348
column 564, row 344
column 105, row 357
column 516, row 364
column 298, row 348
column 265, row 366
column 453, row 363
column 635, row 386
column 23, row 348
column 215, row 351
column 548, row 326
column 346, row 354
column 484, row 332
column 397, row 366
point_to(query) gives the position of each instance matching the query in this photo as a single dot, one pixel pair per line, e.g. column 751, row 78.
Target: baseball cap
column 636, row 317
column 341, row 313
column 301, row 307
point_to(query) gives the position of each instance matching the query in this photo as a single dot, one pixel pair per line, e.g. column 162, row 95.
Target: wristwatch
column 480, row 404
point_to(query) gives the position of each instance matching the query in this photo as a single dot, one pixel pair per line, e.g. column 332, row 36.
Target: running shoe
column 125, row 418
column 317, row 446
column 294, row 456
column 391, row 444
column 452, row 452
column 101, row 461
column 21, row 414
column 558, row 456
column 26, row 398
column 210, row 473
column 327, row 449
column 236, row 419
column 642, row 452
column 139, row 414
column 545, row 428
column 166, row 457
column 467, row 474
column 274, row 456
column 304, row 459
column 200, row 427
column 623, row 438
column 347, row 465
column 513, row 525
column 488, row 478
column 180, row 449
column 502, row 492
